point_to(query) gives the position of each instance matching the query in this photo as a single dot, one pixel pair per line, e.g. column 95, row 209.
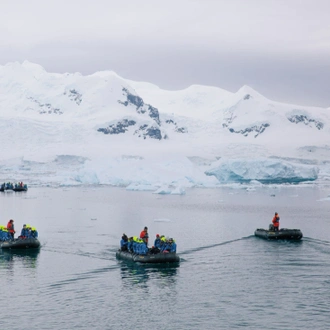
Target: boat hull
column 20, row 189
column 149, row 258
column 282, row 234
column 20, row 244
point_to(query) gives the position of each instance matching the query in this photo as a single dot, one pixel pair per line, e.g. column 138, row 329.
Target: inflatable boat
column 148, row 258
column 18, row 243
column 24, row 188
column 283, row 234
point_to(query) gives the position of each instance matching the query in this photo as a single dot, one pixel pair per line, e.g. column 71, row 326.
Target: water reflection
column 139, row 274
column 27, row 257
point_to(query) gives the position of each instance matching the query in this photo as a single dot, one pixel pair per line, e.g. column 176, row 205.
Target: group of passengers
column 10, row 185
column 139, row 245
column 8, row 233
column 7, row 186
column 20, row 185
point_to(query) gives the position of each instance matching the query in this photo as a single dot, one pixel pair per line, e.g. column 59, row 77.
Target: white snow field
column 70, row 129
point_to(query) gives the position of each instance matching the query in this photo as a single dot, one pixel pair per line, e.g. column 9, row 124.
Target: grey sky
column 279, row 47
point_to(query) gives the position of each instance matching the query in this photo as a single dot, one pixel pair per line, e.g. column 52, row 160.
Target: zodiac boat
column 283, row 234
column 18, row 243
column 148, row 258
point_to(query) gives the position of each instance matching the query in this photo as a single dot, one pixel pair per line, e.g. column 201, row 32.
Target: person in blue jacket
column 24, row 232
column 34, row 232
column 124, row 243
column 157, row 241
column 4, row 234
column 170, row 246
column 173, row 245
column 130, row 244
column 156, row 247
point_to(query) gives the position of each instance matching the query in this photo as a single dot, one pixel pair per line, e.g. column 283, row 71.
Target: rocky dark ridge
column 153, row 132
column 119, row 127
column 176, row 127
column 46, row 108
column 306, row 120
column 255, row 129
column 74, row 96
column 142, row 131
column 141, row 107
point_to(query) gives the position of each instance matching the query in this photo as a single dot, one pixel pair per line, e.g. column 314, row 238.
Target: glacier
column 101, row 129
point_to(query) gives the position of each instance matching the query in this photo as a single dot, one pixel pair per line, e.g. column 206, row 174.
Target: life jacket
column 144, row 235
column 10, row 227
column 276, row 220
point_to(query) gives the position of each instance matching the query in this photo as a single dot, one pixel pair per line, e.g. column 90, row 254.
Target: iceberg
column 266, row 171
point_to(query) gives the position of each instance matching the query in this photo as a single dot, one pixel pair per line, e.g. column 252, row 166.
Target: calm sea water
column 227, row 278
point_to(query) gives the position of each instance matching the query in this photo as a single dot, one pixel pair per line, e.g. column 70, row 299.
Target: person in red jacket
column 10, row 228
column 144, row 235
column 276, row 222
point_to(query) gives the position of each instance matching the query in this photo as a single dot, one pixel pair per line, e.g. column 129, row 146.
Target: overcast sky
column 281, row 48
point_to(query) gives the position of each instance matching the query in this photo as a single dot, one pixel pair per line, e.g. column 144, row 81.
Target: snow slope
column 66, row 129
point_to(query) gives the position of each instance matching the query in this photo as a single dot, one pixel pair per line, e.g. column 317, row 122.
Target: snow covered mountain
column 65, row 129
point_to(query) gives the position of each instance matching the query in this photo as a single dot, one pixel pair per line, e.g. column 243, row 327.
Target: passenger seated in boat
column 139, row 246
column 130, row 244
column 142, row 247
column 170, row 246
column 124, row 243
column 173, row 245
column 4, row 234
column 24, row 232
column 157, row 241
column 276, row 222
column 134, row 242
column 156, row 247
column 162, row 243
column 32, row 232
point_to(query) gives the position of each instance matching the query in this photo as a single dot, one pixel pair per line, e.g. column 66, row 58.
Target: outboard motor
column 271, row 227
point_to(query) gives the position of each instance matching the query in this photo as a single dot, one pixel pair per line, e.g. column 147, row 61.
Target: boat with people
column 157, row 258
column 281, row 234
column 21, row 243
column 136, row 249
column 27, row 240
column 275, row 233
column 20, row 186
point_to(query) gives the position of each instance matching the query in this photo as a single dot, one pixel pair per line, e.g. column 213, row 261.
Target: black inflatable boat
column 284, row 234
column 24, row 188
column 148, row 258
column 18, row 243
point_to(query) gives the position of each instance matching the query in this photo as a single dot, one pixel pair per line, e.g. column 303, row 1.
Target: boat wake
column 319, row 245
column 201, row 248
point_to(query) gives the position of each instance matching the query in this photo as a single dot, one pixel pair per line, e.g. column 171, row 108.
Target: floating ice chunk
column 178, row 191
column 164, row 190
column 324, row 199
column 162, row 220
column 140, row 187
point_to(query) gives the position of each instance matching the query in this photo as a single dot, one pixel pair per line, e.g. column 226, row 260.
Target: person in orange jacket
column 276, row 222
column 144, row 235
column 10, row 228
